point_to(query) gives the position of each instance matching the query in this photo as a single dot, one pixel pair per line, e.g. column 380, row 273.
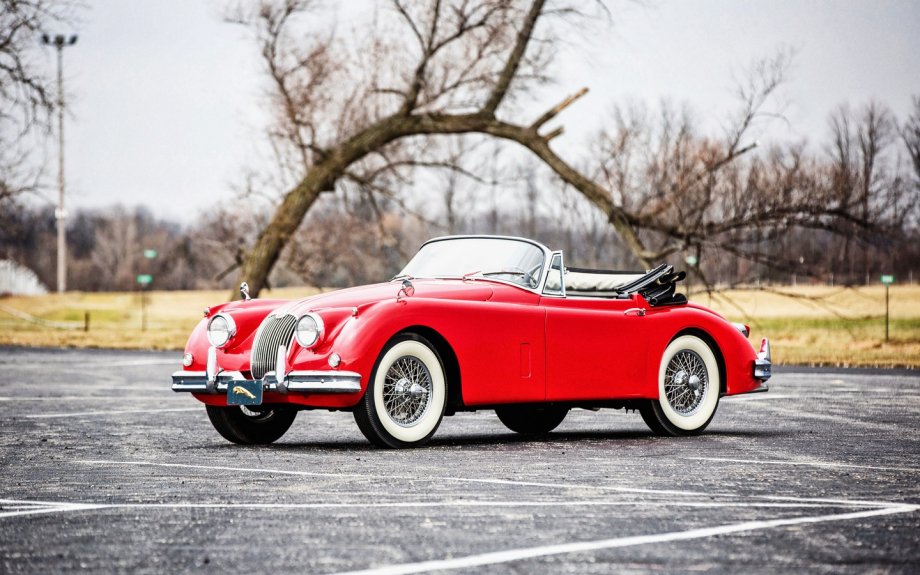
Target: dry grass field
column 115, row 318
column 806, row 325
column 819, row 325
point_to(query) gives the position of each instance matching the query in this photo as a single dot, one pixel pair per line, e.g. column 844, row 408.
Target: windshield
column 508, row 260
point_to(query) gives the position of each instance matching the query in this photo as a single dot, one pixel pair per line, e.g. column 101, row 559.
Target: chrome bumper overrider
column 762, row 363
column 312, row 382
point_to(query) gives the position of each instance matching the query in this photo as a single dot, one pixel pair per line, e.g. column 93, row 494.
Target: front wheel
column 406, row 395
column 688, row 389
column 531, row 418
column 251, row 425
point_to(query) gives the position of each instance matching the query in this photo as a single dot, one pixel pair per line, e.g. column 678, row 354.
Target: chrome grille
column 275, row 331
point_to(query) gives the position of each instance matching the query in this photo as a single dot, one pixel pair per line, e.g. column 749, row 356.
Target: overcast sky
column 167, row 102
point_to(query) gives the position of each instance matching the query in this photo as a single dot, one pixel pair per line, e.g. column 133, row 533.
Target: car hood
column 364, row 295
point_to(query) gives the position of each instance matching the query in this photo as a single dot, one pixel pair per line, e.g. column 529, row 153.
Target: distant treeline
column 345, row 242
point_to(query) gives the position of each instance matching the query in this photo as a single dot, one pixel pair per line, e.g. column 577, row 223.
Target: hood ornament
column 244, row 291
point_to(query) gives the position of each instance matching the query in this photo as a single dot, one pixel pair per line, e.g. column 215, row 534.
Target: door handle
column 639, row 311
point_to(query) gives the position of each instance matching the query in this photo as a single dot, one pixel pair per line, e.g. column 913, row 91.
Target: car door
column 499, row 345
column 595, row 348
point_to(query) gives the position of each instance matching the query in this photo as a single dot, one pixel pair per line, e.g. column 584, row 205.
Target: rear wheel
column 688, row 389
column 531, row 418
column 406, row 395
column 253, row 424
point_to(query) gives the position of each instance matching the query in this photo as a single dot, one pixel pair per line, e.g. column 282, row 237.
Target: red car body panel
column 511, row 345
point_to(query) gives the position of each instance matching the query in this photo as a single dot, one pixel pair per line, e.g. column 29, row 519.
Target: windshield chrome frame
column 544, row 273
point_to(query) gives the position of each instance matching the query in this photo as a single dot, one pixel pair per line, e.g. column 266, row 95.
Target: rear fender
column 733, row 351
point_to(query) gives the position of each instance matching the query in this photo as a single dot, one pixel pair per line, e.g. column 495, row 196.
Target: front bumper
column 305, row 382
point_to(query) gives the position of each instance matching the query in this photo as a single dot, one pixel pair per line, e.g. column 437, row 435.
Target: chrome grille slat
column 275, row 331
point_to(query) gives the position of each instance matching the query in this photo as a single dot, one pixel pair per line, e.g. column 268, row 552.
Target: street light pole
column 60, row 213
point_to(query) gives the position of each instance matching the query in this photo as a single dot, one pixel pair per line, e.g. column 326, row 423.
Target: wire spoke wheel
column 258, row 414
column 406, row 394
column 686, row 382
column 689, row 383
column 407, row 391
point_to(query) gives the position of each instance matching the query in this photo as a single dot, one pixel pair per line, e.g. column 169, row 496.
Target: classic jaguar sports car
column 472, row 322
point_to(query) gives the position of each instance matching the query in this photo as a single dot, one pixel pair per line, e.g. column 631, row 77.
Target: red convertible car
column 472, row 322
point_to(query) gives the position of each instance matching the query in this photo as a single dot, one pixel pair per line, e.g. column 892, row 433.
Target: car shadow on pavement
column 512, row 439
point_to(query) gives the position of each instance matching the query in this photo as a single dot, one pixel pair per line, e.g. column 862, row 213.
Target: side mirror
column 407, row 290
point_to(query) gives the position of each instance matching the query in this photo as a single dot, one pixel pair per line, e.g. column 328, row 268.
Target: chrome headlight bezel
column 231, row 330
column 320, row 331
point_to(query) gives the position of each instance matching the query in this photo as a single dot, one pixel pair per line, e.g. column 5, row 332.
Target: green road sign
column 691, row 260
column 887, row 279
column 150, row 254
column 144, row 279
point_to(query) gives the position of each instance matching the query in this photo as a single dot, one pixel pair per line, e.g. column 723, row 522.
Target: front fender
column 248, row 316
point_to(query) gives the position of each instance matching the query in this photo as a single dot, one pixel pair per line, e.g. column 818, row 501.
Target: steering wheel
column 531, row 278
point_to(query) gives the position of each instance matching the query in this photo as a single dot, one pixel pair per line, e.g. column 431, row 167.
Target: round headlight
column 309, row 330
column 220, row 329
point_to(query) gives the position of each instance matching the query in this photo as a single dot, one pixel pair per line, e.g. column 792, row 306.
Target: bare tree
column 866, row 180
column 368, row 109
column 26, row 101
column 910, row 134
column 348, row 109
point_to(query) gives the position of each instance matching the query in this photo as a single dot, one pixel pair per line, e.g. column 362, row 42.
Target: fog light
column 188, row 359
column 334, row 360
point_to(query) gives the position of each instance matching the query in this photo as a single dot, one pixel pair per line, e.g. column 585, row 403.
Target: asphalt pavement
column 104, row 469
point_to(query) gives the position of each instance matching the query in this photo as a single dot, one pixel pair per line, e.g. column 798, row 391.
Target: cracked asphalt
column 104, row 469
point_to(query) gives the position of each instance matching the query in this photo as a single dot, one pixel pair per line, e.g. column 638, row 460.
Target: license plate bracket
column 247, row 392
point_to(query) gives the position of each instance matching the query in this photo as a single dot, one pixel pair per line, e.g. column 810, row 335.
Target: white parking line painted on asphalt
column 13, row 508
column 509, row 482
column 113, row 412
column 177, row 361
column 88, row 398
column 25, row 507
column 96, row 365
column 804, row 463
column 581, row 547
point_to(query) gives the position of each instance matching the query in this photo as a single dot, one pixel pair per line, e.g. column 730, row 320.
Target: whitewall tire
column 406, row 395
column 688, row 389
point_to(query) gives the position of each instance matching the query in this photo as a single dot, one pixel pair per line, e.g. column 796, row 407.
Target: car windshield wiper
column 503, row 272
